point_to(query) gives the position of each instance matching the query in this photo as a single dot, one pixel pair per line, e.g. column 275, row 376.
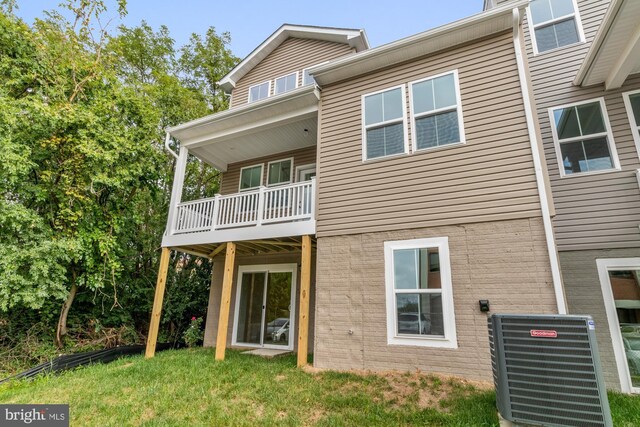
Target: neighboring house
column 370, row 197
column 584, row 60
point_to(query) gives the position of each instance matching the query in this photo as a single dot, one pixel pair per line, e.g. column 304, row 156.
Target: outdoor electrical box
column 546, row 370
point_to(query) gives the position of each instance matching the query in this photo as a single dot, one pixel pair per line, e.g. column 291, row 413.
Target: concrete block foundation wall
column 505, row 262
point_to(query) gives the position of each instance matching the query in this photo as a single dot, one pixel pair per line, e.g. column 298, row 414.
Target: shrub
column 193, row 335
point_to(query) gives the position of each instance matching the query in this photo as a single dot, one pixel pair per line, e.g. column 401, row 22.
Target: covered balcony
column 280, row 124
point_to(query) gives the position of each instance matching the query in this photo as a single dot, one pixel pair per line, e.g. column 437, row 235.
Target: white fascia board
column 582, row 77
column 355, row 38
column 273, row 102
column 492, row 21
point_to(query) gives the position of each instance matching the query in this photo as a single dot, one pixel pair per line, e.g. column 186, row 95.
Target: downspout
column 537, row 162
column 167, row 139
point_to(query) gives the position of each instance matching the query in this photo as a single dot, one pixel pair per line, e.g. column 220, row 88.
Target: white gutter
column 167, row 147
column 407, row 42
column 537, row 162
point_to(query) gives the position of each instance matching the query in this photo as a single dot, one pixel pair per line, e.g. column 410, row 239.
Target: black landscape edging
column 70, row 361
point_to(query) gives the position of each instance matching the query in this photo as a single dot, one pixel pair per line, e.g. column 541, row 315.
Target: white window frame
column 240, row 189
column 393, row 338
column 266, row 268
column 608, row 133
column 290, row 174
column 604, row 266
column 365, row 127
column 259, row 84
column 635, row 127
column 414, row 116
column 302, row 78
column 532, row 28
column 282, row 77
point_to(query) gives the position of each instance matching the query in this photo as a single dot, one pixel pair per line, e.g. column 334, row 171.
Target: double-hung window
column 286, row 83
column 250, row 177
column 583, row 138
column 384, row 123
column 419, row 293
column 632, row 102
column 279, row 172
column 554, row 24
column 259, row 91
column 436, row 112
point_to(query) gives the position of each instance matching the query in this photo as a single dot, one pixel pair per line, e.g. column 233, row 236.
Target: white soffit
column 492, row 21
column 357, row 39
column 273, row 125
column 615, row 51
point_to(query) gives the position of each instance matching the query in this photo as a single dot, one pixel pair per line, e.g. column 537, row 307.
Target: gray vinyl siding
column 490, row 178
column 598, row 210
column 231, row 178
column 292, row 55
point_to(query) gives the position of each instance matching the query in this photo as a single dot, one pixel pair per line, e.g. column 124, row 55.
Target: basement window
column 419, row 293
column 384, row 123
column 583, row 139
column 554, row 24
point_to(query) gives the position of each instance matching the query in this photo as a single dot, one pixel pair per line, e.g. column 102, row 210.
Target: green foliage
column 85, row 181
column 193, row 335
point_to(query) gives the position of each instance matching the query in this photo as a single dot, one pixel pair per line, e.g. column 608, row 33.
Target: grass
column 187, row 387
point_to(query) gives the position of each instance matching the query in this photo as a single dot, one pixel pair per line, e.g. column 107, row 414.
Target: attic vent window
column 286, row 83
column 555, row 23
column 259, row 91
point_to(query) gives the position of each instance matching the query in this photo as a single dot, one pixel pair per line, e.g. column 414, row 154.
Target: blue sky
column 250, row 22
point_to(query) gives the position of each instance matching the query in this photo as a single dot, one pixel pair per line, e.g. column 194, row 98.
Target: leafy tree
column 84, row 178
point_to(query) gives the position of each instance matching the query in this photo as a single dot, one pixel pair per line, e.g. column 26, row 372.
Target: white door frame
column 266, row 268
column 604, row 267
column 304, row 168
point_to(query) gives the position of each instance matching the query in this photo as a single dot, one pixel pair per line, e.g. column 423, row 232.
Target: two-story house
column 371, row 197
column 584, row 60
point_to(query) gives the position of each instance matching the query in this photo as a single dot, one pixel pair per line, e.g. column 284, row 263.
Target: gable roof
column 354, row 38
column 493, row 21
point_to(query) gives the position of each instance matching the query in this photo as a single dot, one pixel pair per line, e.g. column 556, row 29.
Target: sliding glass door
column 265, row 297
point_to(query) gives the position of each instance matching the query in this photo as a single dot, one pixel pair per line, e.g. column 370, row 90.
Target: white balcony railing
column 286, row 203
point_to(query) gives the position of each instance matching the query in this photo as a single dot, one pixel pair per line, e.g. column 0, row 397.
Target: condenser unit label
column 543, row 334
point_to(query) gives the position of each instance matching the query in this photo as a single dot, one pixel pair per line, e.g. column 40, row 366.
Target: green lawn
column 187, row 387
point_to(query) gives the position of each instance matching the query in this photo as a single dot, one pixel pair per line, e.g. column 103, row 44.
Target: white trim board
column 267, row 268
column 604, row 266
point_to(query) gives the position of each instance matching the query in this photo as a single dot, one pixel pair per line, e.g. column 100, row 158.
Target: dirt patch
column 280, row 377
column 316, row 416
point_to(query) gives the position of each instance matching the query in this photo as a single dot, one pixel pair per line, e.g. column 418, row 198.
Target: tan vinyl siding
column 231, row 178
column 490, row 178
column 599, row 210
column 292, row 55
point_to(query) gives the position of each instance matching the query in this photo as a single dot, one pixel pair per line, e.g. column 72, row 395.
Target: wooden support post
column 225, row 300
column 305, row 288
column 152, row 338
